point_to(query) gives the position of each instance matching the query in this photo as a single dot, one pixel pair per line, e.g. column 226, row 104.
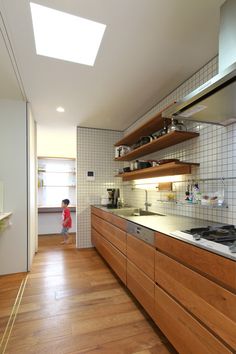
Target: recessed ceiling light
column 64, row 36
column 60, row 109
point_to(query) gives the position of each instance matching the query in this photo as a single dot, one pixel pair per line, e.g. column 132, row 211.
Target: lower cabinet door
column 206, row 300
column 142, row 255
column 186, row 334
column 110, row 232
column 142, row 287
column 114, row 258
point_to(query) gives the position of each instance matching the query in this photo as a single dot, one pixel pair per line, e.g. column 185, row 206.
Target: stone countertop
column 173, row 225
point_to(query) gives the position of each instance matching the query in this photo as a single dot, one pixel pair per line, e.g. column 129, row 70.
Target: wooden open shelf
column 151, row 126
column 167, row 169
column 163, row 142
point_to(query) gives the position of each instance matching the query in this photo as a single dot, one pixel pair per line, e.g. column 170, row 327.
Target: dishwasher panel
column 141, row 232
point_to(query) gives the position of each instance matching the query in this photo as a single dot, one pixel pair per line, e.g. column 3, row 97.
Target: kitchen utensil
column 161, row 132
column 141, row 164
column 104, row 200
column 132, row 165
column 176, row 126
column 181, row 126
column 187, row 193
column 113, row 195
column 123, row 150
column 153, row 162
column 136, row 145
column 164, row 186
column 145, row 140
column 117, row 152
column 126, row 169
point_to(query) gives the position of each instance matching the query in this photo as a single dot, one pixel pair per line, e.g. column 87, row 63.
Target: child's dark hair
column 66, row 201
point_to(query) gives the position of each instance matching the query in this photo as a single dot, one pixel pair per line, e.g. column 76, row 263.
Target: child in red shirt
column 66, row 220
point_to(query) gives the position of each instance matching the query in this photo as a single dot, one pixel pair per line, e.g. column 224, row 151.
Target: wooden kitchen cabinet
column 110, row 232
column 142, row 287
column 188, row 291
column 111, row 218
column 142, row 255
column 114, row 258
column 212, row 304
column 220, row 269
column 186, row 334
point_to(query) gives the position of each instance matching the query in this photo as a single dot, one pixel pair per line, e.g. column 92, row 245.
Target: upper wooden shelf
column 167, row 169
column 163, row 142
column 151, row 126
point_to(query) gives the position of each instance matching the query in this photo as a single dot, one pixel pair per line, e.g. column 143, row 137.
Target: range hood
column 215, row 101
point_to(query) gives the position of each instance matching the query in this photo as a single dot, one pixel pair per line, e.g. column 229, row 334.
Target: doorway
column 56, row 181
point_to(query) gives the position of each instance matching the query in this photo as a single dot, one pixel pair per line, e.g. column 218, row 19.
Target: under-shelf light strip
column 222, row 179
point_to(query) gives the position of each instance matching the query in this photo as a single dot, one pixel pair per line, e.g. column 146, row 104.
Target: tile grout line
column 13, row 315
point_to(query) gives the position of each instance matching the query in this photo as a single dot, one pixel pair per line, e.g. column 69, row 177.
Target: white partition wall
column 18, row 178
column 95, row 152
column 13, row 174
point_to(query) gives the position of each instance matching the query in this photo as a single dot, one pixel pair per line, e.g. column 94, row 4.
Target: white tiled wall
column 215, row 150
column 95, row 149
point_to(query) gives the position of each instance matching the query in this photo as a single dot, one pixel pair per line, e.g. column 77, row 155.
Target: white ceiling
column 149, row 48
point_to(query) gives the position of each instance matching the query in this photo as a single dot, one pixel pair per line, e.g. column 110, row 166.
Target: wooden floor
column 73, row 303
column 9, row 288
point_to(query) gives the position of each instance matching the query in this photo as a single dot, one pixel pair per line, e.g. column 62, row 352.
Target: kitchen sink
column 134, row 212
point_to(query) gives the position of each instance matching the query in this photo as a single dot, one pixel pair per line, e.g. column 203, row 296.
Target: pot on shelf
column 121, row 150
column 138, row 165
column 176, row 126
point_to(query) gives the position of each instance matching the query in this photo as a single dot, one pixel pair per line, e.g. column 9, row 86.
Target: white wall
column 214, row 149
column 32, row 187
column 50, row 223
column 13, row 173
column 56, row 142
column 95, row 149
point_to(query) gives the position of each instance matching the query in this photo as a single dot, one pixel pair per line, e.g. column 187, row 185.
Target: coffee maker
column 113, row 195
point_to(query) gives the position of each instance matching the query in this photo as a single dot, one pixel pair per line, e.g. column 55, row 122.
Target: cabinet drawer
column 117, row 221
column 98, row 212
column 221, row 269
column 114, row 235
column 186, row 334
column 142, row 287
column 141, row 254
column 209, row 302
column 111, row 218
column 114, row 258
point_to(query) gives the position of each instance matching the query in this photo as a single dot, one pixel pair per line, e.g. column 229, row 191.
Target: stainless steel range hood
column 215, row 101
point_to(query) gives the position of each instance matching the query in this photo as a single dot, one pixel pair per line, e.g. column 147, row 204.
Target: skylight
column 67, row 37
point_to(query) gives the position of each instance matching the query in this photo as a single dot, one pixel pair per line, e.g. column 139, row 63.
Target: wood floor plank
column 73, row 303
column 9, row 287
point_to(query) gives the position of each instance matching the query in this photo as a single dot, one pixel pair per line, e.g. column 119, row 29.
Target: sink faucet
column 146, row 201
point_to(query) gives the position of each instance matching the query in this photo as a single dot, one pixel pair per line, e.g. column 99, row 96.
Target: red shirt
column 66, row 215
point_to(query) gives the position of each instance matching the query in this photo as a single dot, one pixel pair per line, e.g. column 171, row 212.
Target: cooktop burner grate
column 225, row 234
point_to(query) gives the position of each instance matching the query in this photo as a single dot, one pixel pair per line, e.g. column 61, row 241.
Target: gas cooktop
column 225, row 235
